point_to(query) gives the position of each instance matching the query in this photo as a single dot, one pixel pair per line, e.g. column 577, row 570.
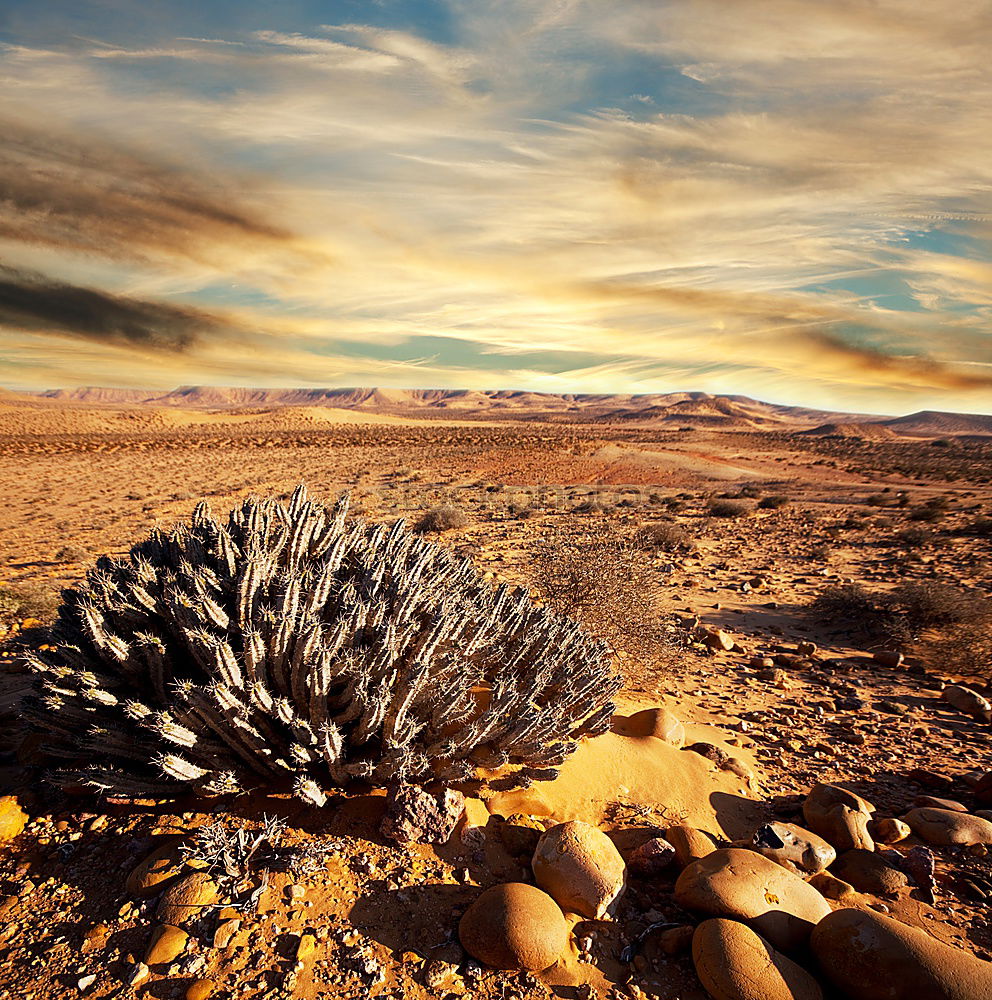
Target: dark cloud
column 59, row 190
column 34, row 303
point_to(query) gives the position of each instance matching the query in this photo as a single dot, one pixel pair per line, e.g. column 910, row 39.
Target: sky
column 789, row 199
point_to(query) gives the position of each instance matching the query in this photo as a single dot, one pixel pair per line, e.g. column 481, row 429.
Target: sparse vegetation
column 288, row 647
column 774, row 502
column 925, row 603
column 604, row 580
column 445, row 517
column 664, row 536
column 27, row 600
column 727, row 508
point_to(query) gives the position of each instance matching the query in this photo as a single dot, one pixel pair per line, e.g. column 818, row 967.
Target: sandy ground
column 384, row 916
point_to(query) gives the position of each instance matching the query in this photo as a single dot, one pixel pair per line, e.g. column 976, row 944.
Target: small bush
column 925, row 604
column 981, row 527
column 664, row 537
column 593, row 507
column 603, row 579
column 442, row 518
column 914, row 537
column 71, row 554
column 727, row 508
column 774, row 502
column 27, row 600
column 925, row 513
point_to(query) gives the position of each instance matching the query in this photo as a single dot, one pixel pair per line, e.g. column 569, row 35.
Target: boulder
column 737, row 883
column 514, row 926
column 831, row 887
column 689, row 844
column 933, row 802
column 735, row 963
column 657, row 722
column 651, row 858
column 167, row 943
column 869, row 872
column 947, row 826
column 888, row 830
column 520, row 834
column 964, row 699
column 12, row 818
column 165, row 865
column 873, row 957
column 416, row 815
column 888, row 658
column 839, row 816
column 789, row 842
column 580, row 867
column 184, row 900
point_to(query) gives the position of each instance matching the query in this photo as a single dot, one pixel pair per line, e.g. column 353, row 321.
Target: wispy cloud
column 792, row 191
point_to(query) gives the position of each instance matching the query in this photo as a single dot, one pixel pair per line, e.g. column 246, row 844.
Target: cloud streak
column 795, row 191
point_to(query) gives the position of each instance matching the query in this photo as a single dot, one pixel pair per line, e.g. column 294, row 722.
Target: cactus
column 292, row 648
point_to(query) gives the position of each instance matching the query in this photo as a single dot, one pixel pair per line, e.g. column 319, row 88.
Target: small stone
column 889, row 830
column 166, row 945
column 964, row 699
column 831, row 887
column 85, row 982
column 789, row 842
column 306, row 947
column 873, row 957
column 659, row 723
column 891, row 658
column 226, row 930
column 185, row 900
column 201, row 989
column 839, row 816
column 416, row 815
column 741, row 884
column 651, row 858
column 867, row 871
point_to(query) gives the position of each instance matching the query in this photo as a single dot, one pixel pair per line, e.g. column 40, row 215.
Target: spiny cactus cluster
column 290, row 646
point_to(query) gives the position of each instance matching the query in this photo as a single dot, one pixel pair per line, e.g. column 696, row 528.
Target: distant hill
column 866, row 431
column 938, row 422
column 664, row 410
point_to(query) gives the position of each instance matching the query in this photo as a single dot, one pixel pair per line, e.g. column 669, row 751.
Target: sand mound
column 671, row 786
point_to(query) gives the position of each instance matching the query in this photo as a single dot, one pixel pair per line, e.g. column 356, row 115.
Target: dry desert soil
column 762, row 509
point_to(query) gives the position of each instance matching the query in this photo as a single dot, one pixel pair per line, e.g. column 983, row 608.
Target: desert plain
column 763, row 546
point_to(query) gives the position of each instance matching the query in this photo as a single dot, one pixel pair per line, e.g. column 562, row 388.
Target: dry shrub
column 27, row 600
column 442, row 518
column 664, row 537
column 774, row 502
column 926, row 604
column 602, row 578
column 727, row 508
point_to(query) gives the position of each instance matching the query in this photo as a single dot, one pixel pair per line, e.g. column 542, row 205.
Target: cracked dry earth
column 372, row 919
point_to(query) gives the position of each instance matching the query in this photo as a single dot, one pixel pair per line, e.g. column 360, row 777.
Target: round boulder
column 185, row 900
column 943, row 827
column 580, row 867
column 839, row 816
column 868, row 871
column 735, row 963
column 657, row 722
column 514, row 926
column 689, row 844
column 873, row 957
column 738, row 883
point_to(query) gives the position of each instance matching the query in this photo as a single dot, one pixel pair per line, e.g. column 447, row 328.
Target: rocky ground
column 797, row 697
